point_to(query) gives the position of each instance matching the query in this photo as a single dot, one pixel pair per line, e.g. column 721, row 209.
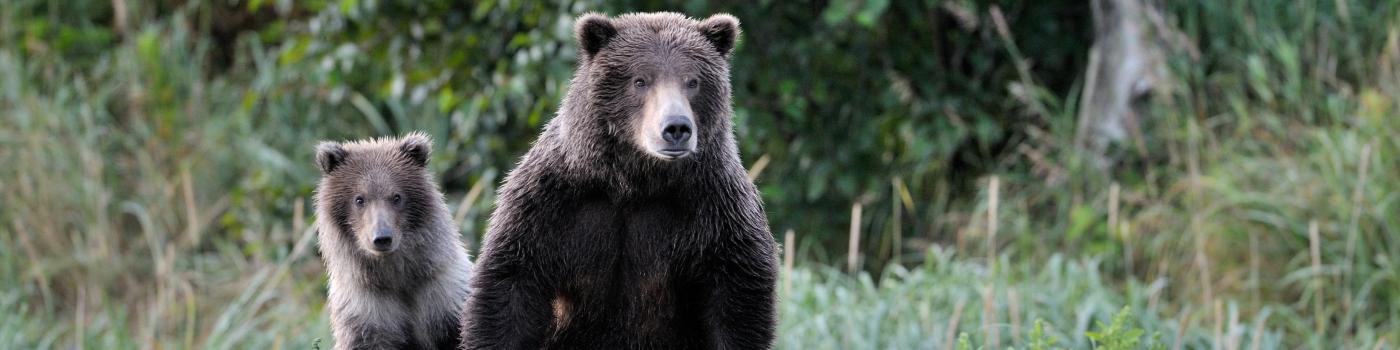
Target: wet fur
column 596, row 245
column 409, row 298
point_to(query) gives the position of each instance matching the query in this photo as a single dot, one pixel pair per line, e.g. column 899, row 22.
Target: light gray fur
column 410, row 297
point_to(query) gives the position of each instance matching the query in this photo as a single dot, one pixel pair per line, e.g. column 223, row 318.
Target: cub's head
column 659, row 81
column 376, row 194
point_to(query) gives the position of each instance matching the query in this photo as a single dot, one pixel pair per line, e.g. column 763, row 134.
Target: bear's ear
column 593, row 32
column 416, row 146
column 722, row 31
column 330, row 155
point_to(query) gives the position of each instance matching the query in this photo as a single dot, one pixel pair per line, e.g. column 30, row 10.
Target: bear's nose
column 383, row 239
column 676, row 130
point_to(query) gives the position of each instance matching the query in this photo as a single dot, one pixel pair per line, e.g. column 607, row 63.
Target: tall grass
column 120, row 228
column 1273, row 116
column 928, row 306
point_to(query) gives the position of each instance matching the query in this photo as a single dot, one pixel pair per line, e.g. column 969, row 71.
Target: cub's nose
column 383, row 240
column 676, row 129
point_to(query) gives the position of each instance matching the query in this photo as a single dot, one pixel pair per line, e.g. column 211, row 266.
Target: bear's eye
column 692, row 83
column 640, row 83
column 359, row 201
column 398, row 199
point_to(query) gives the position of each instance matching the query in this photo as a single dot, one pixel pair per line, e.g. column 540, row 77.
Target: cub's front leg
column 371, row 324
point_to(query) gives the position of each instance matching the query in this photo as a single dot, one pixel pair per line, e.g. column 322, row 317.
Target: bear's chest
column 629, row 265
column 645, row 232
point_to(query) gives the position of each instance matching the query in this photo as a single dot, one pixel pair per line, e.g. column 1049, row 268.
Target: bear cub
column 398, row 268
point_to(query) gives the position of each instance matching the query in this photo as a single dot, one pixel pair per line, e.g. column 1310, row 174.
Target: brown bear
column 398, row 268
column 631, row 223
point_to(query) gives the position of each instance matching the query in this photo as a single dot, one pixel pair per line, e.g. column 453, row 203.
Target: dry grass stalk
column 191, row 210
column 950, row 334
column 1258, row 339
column 1219, row 331
column 1232, row 338
column 1181, row 322
column 1203, row 267
column 1353, row 231
column 298, row 215
column 989, row 317
column 467, row 200
column 1113, row 208
column 758, row 166
column 1013, row 304
column 789, row 247
column 992, row 195
column 1315, row 250
column 896, row 217
column 853, row 253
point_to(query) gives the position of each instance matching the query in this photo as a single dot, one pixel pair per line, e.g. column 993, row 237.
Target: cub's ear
column 330, row 155
column 722, row 31
column 416, row 146
column 593, row 31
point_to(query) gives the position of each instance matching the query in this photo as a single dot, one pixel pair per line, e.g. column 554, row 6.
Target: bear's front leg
column 369, row 333
column 508, row 307
column 741, row 310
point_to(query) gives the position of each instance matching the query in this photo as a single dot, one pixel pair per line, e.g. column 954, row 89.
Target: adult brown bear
column 631, row 222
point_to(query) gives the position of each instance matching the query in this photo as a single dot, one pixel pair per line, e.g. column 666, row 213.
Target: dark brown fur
column 408, row 296
column 596, row 244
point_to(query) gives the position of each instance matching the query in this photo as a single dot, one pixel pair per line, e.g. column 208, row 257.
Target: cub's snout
column 383, row 240
column 377, row 231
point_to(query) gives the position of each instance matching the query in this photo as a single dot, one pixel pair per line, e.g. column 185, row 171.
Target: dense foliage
column 843, row 101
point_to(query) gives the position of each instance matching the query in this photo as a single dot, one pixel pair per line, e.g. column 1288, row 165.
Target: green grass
column 929, row 306
column 1064, row 303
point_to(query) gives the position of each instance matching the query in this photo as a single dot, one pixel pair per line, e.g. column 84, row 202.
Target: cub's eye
column 641, row 83
column 692, row 83
column 359, row 201
column 398, row 199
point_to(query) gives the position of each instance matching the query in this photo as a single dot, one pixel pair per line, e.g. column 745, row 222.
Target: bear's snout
column 378, row 235
column 383, row 239
column 667, row 126
column 676, row 131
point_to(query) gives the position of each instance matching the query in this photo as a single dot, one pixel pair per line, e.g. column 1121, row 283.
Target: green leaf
column 1040, row 341
column 446, row 100
column 148, row 47
column 964, row 343
column 1081, row 218
column 294, row 53
column 871, row 12
column 346, row 6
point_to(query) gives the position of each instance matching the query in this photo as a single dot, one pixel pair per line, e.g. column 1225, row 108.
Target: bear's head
column 658, row 82
column 377, row 194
